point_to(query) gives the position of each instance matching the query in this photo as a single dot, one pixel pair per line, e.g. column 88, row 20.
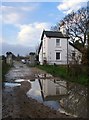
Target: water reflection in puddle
column 11, row 84
column 60, row 95
column 36, row 93
column 21, row 80
column 15, row 83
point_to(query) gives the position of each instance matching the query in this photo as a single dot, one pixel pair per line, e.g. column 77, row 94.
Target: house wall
column 78, row 55
column 50, row 88
column 52, row 49
column 63, row 29
column 49, row 50
column 40, row 57
column 43, row 51
column 45, row 48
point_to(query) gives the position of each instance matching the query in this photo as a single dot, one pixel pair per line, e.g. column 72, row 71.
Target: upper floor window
column 57, row 42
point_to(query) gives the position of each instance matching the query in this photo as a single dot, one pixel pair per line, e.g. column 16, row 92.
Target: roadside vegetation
column 75, row 24
column 5, row 69
column 77, row 74
column 0, row 70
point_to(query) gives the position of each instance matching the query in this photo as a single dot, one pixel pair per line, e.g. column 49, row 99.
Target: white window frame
column 58, row 44
column 56, row 56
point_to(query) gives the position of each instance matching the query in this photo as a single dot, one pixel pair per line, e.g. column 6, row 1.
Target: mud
column 16, row 104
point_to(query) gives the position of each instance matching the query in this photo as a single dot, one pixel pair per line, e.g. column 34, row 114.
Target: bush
column 5, row 69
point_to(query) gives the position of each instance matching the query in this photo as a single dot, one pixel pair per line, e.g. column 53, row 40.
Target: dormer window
column 57, row 42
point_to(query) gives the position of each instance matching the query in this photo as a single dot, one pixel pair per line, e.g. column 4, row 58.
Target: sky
column 22, row 22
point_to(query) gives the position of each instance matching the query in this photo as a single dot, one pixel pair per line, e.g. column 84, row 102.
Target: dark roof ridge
column 53, row 34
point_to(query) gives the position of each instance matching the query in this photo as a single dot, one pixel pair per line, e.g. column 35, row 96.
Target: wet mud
column 16, row 103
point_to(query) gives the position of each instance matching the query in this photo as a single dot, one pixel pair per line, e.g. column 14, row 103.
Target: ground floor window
column 57, row 55
column 73, row 55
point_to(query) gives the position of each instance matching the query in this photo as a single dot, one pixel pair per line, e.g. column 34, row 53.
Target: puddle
column 21, row 66
column 21, row 80
column 17, row 67
column 43, row 75
column 16, row 70
column 11, row 84
column 35, row 93
column 60, row 95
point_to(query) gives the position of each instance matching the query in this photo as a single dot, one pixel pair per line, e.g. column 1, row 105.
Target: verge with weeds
column 5, row 68
column 77, row 74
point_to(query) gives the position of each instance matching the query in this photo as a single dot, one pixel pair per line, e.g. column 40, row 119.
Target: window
column 57, row 42
column 57, row 55
column 73, row 55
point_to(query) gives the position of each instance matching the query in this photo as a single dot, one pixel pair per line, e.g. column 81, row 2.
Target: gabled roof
column 53, row 34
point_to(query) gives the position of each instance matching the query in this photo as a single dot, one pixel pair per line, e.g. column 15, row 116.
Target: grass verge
column 62, row 72
column 5, row 69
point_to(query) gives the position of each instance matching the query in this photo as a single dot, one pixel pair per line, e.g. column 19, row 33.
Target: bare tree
column 55, row 28
column 77, row 25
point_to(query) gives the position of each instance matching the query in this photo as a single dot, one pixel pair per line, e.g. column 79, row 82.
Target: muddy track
column 16, row 104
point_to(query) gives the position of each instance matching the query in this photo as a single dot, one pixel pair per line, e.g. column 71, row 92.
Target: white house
column 53, row 88
column 55, row 48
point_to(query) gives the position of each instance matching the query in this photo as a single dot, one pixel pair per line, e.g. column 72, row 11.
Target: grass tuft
column 62, row 72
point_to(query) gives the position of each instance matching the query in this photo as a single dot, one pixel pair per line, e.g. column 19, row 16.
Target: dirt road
column 15, row 103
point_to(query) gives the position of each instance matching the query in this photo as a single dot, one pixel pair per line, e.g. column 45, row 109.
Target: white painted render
column 78, row 55
column 50, row 88
column 49, row 50
column 63, row 29
column 40, row 57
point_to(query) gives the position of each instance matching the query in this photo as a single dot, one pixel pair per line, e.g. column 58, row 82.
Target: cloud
column 69, row 6
column 22, row 7
column 27, row 8
column 10, row 15
column 11, row 18
column 16, row 0
column 15, row 15
column 31, row 0
column 1, row 39
column 15, row 48
column 28, row 38
column 30, row 34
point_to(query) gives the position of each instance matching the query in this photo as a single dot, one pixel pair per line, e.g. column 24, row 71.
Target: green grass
column 54, row 70
column 62, row 72
column 5, row 69
column 0, row 70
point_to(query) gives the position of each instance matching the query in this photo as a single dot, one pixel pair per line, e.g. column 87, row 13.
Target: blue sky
column 23, row 22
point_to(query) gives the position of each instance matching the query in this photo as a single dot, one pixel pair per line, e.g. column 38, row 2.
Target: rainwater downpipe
column 42, row 52
column 67, row 57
